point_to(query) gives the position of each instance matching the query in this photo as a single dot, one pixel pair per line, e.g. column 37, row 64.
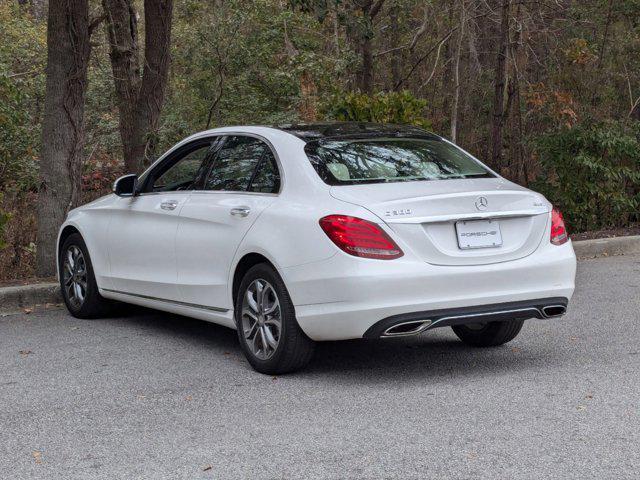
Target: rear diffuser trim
column 521, row 310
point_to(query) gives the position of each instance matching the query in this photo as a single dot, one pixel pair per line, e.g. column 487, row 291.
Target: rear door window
column 243, row 164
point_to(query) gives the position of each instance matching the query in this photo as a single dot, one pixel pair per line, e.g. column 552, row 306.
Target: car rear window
column 383, row 160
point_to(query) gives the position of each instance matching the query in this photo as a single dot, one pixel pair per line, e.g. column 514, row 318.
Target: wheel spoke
column 248, row 332
column 249, row 300
column 274, row 323
column 259, row 295
column 77, row 292
column 71, row 259
column 254, row 348
column 272, row 308
column 270, row 338
column 250, row 313
column 263, row 339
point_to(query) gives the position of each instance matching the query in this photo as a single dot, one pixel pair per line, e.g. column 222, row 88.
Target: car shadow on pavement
column 433, row 355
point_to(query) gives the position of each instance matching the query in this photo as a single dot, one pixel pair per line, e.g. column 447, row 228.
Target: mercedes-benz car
column 305, row 233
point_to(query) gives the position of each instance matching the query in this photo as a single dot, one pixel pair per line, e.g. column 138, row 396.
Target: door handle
column 240, row 211
column 169, row 205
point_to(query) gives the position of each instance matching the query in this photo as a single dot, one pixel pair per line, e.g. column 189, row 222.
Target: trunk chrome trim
column 467, row 216
column 174, row 302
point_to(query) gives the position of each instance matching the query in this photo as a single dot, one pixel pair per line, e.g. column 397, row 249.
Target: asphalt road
column 156, row 396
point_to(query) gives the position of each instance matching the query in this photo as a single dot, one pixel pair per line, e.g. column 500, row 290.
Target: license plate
column 478, row 234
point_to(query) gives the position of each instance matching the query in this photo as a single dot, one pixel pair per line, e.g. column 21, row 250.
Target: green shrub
column 18, row 167
column 592, row 173
column 385, row 107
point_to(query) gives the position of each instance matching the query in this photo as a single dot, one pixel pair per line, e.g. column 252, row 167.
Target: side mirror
column 126, row 186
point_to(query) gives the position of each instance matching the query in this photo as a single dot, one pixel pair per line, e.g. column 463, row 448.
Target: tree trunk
column 122, row 31
column 68, row 50
column 395, row 43
column 456, row 72
column 499, row 85
column 370, row 10
column 366, row 81
column 447, row 69
column 140, row 99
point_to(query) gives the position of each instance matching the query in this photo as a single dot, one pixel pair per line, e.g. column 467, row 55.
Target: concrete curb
column 603, row 247
column 15, row 299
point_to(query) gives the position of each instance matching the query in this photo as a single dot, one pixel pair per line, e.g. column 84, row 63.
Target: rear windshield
column 382, row 160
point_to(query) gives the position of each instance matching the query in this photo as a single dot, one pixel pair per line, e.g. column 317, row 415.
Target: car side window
column 237, row 163
column 267, row 176
column 185, row 173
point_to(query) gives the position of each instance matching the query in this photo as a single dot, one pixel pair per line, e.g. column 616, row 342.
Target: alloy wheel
column 74, row 276
column 261, row 319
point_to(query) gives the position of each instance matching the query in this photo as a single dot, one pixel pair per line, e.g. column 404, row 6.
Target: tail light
column 558, row 230
column 359, row 237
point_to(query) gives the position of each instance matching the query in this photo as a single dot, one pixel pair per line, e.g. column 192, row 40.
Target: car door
column 243, row 180
column 143, row 228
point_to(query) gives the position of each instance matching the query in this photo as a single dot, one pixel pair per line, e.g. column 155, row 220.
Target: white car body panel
column 184, row 260
column 207, row 240
column 141, row 241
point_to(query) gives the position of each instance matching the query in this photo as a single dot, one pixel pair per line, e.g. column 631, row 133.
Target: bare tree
column 68, row 34
column 140, row 91
column 499, row 88
column 370, row 10
column 456, row 72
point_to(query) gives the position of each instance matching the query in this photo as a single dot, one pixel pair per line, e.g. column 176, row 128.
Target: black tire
column 93, row 305
column 294, row 349
column 491, row 334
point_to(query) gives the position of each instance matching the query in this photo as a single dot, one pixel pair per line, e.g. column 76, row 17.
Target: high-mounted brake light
column 359, row 237
column 558, row 230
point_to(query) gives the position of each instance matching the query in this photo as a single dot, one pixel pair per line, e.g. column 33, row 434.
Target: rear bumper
column 344, row 297
column 418, row 322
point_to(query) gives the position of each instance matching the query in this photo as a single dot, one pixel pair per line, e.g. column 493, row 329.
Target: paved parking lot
column 158, row 396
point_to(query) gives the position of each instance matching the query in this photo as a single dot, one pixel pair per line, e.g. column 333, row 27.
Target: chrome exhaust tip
column 551, row 311
column 407, row 328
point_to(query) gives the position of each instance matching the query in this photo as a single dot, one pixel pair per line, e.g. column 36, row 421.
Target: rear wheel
column 490, row 334
column 78, row 282
column 268, row 331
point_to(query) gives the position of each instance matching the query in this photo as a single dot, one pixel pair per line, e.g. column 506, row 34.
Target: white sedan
column 304, row 233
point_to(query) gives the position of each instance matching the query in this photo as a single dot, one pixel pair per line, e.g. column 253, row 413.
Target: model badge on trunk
column 395, row 213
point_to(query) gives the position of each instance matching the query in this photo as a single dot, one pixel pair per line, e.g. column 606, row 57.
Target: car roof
column 319, row 131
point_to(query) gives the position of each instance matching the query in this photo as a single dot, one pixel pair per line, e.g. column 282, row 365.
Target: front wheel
column 268, row 331
column 490, row 334
column 78, row 282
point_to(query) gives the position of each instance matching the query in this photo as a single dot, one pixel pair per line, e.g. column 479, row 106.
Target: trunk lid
column 424, row 214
